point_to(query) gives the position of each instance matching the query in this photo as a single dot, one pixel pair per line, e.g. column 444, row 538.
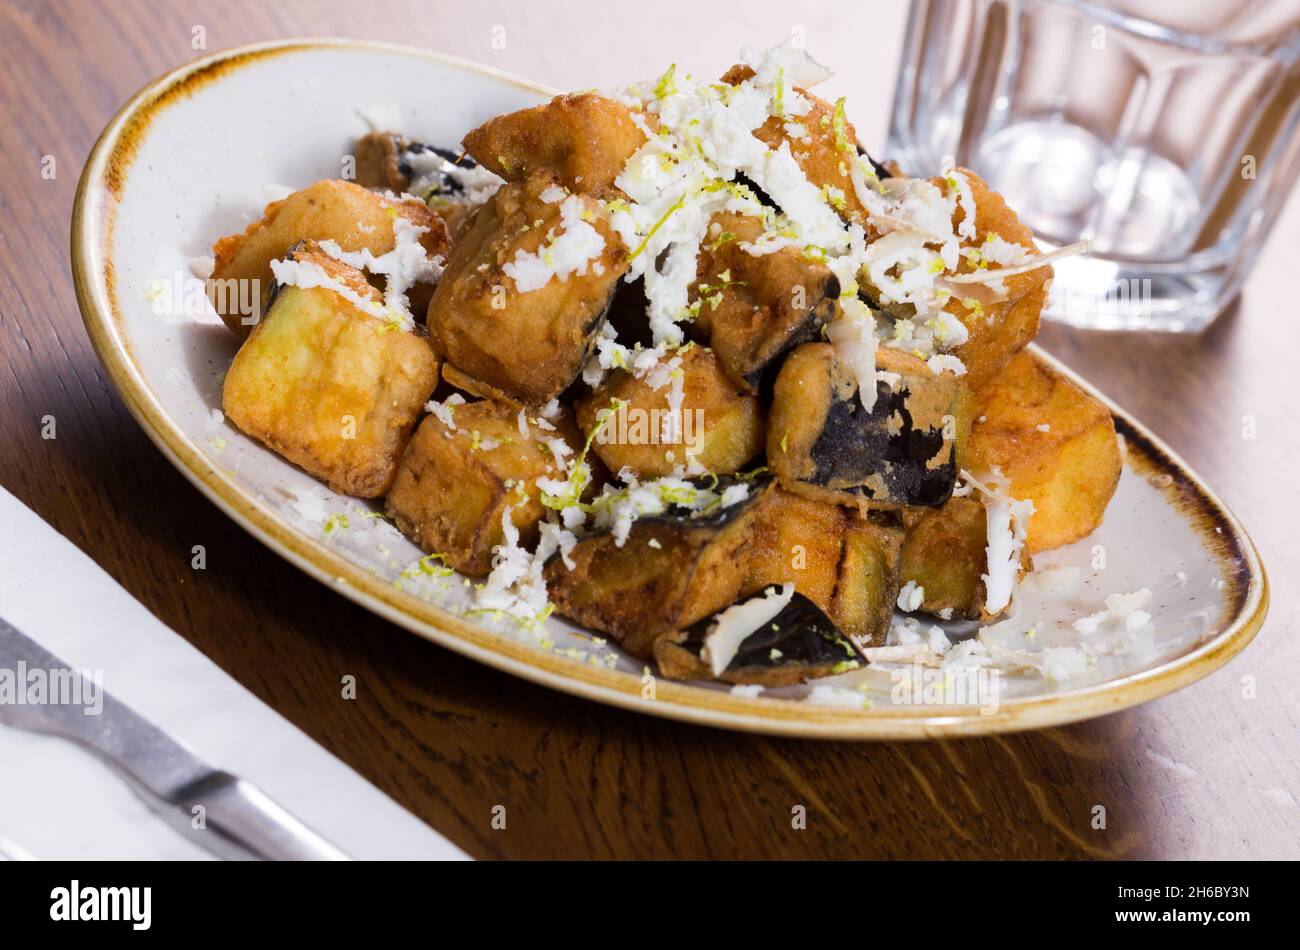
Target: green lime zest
column 667, row 84
column 676, row 206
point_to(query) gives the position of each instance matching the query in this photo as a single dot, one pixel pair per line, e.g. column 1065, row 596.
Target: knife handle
column 241, row 813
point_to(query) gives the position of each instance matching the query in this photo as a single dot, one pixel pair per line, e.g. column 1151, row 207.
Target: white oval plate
column 189, row 159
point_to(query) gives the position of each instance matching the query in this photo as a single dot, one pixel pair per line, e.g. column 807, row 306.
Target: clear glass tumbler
column 1163, row 133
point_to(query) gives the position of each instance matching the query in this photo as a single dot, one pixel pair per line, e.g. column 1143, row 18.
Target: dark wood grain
column 1204, row 772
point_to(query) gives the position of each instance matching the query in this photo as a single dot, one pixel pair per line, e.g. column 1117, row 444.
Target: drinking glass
column 1163, row 133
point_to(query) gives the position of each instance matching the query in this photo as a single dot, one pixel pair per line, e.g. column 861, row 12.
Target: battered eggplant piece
column 354, row 217
column 998, row 328
column 721, row 427
column 823, row 143
column 456, row 482
column 331, row 388
column 844, row 562
column 391, row 162
column 1054, row 443
column 944, row 553
column 672, row 570
column 822, row 443
column 584, row 138
column 754, row 309
column 798, row 644
column 523, row 346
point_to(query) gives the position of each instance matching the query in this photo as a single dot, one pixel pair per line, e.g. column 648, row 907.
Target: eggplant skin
column 853, row 450
column 821, row 442
column 526, row 346
column 798, row 644
column 672, row 570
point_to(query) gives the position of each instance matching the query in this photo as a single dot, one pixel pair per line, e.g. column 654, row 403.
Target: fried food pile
column 680, row 362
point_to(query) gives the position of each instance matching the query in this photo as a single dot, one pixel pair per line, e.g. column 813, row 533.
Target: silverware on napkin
column 221, row 812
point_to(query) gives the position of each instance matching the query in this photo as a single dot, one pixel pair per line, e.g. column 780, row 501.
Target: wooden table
column 1202, row 773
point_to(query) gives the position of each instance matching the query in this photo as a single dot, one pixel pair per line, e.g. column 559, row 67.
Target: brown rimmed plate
column 196, row 154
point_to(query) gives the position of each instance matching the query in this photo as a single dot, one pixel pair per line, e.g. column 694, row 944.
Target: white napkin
column 59, row 801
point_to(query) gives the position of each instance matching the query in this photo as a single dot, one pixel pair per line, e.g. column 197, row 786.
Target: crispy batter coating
column 1054, row 442
column 669, row 573
column 454, row 484
column 584, row 138
column 999, row 329
column 755, row 309
column 722, row 427
column 844, row 562
column 945, row 554
column 343, row 211
column 822, row 144
column 529, row 346
column 378, row 157
column 332, row 389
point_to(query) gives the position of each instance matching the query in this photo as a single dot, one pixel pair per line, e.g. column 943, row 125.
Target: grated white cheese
column 910, row 597
column 569, row 252
column 1007, row 520
column 306, row 274
column 445, row 411
column 946, row 361
column 734, row 625
column 824, row 694
column 854, row 338
column 406, row 265
column 428, row 168
column 617, row 509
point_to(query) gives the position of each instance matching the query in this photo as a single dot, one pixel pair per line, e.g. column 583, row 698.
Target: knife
column 237, row 818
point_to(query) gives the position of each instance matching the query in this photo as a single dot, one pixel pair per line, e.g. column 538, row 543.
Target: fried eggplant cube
column 1055, row 445
column 670, row 571
column 822, row 443
column 342, row 211
column 866, row 588
column 331, row 388
column 845, row 563
column 798, row 644
column 945, row 554
column 379, row 157
column 444, row 179
column 716, row 424
column 526, row 290
column 457, row 482
column 753, row 310
column 584, row 138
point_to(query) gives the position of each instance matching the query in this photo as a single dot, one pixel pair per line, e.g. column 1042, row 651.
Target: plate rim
column 93, row 217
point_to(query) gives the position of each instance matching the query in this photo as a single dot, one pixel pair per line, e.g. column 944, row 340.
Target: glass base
column 1099, row 294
